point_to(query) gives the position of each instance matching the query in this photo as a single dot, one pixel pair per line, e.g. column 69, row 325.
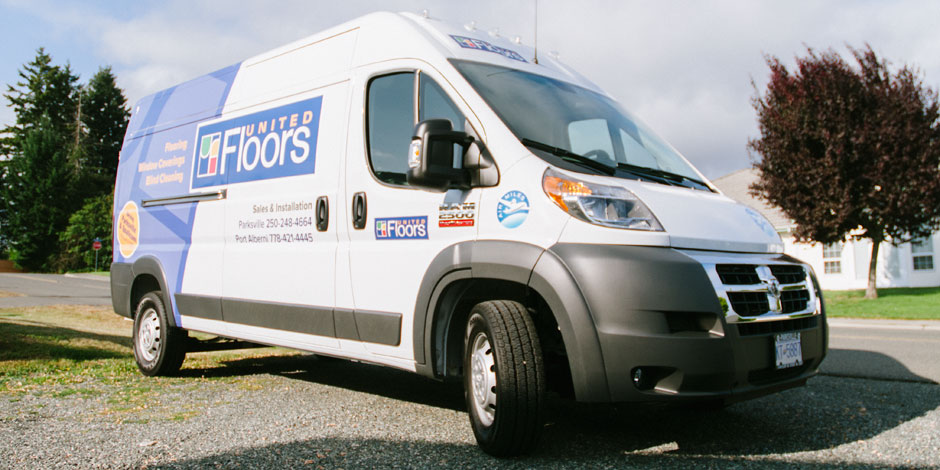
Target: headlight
column 610, row 206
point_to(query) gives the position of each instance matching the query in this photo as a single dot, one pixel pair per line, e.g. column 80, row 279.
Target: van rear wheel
column 504, row 378
column 159, row 348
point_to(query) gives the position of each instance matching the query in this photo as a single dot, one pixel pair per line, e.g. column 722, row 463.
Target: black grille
column 788, row 273
column 780, row 326
column 749, row 304
column 746, row 274
column 794, row 300
column 737, row 274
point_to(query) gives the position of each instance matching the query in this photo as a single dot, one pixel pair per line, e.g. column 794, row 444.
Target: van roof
column 372, row 38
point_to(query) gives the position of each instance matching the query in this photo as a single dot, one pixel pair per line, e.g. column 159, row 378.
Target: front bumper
column 658, row 310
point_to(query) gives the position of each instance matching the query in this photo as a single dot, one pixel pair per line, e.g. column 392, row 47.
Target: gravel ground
column 303, row 412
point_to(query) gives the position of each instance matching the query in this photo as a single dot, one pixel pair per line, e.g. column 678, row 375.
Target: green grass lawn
column 915, row 303
column 75, row 351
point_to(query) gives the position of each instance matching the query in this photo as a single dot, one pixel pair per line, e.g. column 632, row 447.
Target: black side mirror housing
column 431, row 156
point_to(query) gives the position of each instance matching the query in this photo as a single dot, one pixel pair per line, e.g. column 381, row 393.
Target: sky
column 688, row 68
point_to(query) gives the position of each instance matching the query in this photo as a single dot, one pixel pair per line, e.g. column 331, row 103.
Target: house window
column 832, row 258
column 922, row 252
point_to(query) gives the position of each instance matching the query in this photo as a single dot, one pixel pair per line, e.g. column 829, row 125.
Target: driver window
column 591, row 138
column 391, row 121
column 434, row 104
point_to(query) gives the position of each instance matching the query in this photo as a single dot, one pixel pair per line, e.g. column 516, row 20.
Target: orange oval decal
column 128, row 229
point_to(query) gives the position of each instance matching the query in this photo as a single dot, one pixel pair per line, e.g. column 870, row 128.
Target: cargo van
column 429, row 197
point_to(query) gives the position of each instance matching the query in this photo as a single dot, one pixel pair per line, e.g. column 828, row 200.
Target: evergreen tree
column 37, row 174
column 44, row 90
column 35, row 196
column 104, row 117
column 62, row 150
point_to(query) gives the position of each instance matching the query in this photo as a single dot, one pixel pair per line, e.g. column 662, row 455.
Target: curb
column 90, row 277
column 912, row 325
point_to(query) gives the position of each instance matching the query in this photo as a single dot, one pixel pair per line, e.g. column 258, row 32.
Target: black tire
column 501, row 345
column 158, row 347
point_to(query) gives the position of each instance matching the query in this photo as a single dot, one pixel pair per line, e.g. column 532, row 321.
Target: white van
column 425, row 196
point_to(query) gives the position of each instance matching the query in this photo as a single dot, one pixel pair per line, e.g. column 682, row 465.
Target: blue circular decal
column 513, row 208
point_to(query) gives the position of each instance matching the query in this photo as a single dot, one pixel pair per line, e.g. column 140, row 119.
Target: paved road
column 29, row 290
column 891, row 350
column 888, row 350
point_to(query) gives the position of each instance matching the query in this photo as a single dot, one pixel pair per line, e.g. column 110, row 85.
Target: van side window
column 434, row 104
column 391, row 122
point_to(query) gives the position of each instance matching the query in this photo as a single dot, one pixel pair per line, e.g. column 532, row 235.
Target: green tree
column 65, row 141
column 43, row 90
column 850, row 151
column 35, row 153
column 104, row 116
column 92, row 221
column 35, row 196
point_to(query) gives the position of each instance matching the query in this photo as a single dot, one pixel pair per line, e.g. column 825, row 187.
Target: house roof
column 736, row 186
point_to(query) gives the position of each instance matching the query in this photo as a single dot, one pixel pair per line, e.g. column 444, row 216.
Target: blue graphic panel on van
column 157, row 135
column 272, row 143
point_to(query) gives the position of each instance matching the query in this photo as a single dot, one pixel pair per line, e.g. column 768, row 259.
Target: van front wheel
column 158, row 347
column 504, row 378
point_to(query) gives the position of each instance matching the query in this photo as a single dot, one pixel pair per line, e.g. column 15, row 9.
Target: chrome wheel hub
column 148, row 335
column 483, row 379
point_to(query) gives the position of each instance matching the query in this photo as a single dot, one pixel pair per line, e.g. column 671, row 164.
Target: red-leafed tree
column 849, row 151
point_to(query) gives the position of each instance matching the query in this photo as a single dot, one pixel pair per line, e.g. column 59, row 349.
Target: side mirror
column 431, row 156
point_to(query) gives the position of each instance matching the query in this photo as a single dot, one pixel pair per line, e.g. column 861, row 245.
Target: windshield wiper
column 671, row 177
column 571, row 156
column 642, row 172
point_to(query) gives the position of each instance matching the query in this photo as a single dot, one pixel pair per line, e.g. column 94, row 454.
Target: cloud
column 178, row 40
column 685, row 67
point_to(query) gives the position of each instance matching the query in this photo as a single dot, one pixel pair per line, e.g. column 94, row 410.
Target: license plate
column 789, row 350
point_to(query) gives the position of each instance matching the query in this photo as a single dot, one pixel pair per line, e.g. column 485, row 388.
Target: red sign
column 96, row 246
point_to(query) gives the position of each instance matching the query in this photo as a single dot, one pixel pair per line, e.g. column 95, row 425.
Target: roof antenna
column 536, row 59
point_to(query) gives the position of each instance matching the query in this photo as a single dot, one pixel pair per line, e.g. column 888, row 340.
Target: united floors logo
column 401, row 228
column 272, row 143
column 209, row 155
column 481, row 45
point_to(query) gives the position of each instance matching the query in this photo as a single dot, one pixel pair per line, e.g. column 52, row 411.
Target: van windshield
column 575, row 128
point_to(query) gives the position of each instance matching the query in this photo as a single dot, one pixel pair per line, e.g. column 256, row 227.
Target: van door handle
column 323, row 213
column 359, row 210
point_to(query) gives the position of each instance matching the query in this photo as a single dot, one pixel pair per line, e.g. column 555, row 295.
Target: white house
column 843, row 265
